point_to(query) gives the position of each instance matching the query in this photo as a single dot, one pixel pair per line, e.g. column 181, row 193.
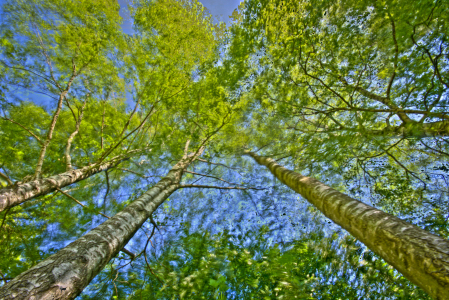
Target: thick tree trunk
column 420, row 256
column 65, row 274
column 15, row 195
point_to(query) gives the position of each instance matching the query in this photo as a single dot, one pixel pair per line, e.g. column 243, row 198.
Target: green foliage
column 347, row 88
column 201, row 266
column 353, row 93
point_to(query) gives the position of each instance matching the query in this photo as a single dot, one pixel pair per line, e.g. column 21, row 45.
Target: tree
column 65, row 274
column 411, row 250
column 125, row 105
column 349, row 88
column 169, row 61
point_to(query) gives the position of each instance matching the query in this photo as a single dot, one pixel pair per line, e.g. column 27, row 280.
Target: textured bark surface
column 420, row 256
column 40, row 161
column 68, row 158
column 15, row 195
column 65, row 274
column 418, row 130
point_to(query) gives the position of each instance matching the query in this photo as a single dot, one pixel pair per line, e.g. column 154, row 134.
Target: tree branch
column 219, row 187
column 124, row 250
column 4, row 176
column 68, row 158
column 29, row 131
column 217, row 164
column 204, row 175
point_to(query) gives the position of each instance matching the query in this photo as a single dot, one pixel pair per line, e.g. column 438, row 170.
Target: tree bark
column 420, row 256
column 15, row 195
column 68, row 158
column 65, row 274
column 40, row 161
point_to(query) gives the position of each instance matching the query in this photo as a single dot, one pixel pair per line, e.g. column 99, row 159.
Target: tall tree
column 420, row 256
column 65, row 274
column 348, row 86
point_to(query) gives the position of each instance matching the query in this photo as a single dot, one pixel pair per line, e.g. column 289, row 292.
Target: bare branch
column 107, row 190
column 63, row 94
column 72, row 198
column 219, row 187
column 204, row 175
column 218, row 164
column 68, row 158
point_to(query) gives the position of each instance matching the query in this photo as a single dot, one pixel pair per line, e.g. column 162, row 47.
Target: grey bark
column 40, row 161
column 420, row 256
column 15, row 195
column 65, row 274
column 68, row 158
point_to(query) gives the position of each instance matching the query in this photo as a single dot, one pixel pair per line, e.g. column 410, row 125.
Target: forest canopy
column 298, row 152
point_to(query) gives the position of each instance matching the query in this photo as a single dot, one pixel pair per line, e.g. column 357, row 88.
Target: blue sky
column 220, row 9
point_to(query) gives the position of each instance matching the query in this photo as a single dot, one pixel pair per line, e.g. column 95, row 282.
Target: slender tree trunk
column 68, row 158
column 65, row 274
column 420, row 256
column 63, row 94
column 19, row 193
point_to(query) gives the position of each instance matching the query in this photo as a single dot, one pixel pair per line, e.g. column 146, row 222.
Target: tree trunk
column 15, row 195
column 65, row 274
column 420, row 256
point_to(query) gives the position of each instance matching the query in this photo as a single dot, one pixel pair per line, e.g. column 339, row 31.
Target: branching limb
column 217, row 164
column 107, row 191
column 4, row 176
column 4, row 218
column 63, row 94
column 396, row 54
column 204, row 175
column 68, row 158
column 72, row 198
column 23, row 127
column 145, row 251
column 219, row 187
column 112, row 148
column 138, row 174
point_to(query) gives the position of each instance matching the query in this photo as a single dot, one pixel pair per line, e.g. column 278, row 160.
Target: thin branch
column 124, row 250
column 396, row 54
column 138, row 174
column 217, row 164
column 439, row 151
column 129, row 119
column 107, row 191
column 145, row 253
column 72, row 198
column 129, row 253
column 219, row 187
column 29, row 131
column 47, row 58
column 4, row 218
column 63, row 94
column 107, row 152
column 204, row 175
column 263, row 147
column 4, row 176
column 102, row 124
column 26, row 70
